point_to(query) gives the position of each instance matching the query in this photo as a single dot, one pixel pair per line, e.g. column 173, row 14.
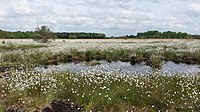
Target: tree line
column 167, row 34
column 17, row 35
column 82, row 35
column 64, row 35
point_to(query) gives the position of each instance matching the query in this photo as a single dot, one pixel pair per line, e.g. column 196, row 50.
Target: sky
column 112, row 17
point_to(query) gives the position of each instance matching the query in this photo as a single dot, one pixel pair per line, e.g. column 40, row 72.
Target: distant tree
column 80, row 35
column 182, row 35
column 139, row 35
column 149, row 34
column 131, row 36
column 169, row 34
column 72, row 36
column 43, row 34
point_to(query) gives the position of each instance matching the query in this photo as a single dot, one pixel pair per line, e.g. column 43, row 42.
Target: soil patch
column 61, row 106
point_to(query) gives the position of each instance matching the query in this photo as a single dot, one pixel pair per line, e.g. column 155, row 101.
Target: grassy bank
column 153, row 57
column 102, row 92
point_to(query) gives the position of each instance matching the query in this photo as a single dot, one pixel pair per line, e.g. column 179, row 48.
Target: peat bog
column 100, row 75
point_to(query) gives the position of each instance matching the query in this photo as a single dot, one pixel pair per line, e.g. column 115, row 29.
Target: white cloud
column 195, row 7
column 113, row 17
column 23, row 7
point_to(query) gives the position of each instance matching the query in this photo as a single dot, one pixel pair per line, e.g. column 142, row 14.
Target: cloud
column 195, row 8
column 113, row 17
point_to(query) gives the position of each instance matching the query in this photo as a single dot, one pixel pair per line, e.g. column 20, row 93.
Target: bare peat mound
column 60, row 106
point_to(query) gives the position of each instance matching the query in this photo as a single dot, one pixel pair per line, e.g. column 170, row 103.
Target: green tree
column 43, row 34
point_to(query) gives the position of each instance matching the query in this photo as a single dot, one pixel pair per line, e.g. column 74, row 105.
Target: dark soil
column 15, row 109
column 55, row 106
column 4, row 69
column 10, row 68
column 60, row 106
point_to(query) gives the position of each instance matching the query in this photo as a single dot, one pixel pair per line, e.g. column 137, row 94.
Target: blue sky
column 113, row 17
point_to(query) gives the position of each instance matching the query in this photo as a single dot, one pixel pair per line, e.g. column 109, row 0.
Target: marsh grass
column 35, row 58
column 12, row 47
column 99, row 92
column 103, row 92
column 155, row 62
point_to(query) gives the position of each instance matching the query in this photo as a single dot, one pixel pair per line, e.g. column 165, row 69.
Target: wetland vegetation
column 23, row 89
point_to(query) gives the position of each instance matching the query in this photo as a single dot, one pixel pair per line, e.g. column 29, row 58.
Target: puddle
column 119, row 67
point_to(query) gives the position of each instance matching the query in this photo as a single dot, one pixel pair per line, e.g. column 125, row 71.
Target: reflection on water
column 119, row 67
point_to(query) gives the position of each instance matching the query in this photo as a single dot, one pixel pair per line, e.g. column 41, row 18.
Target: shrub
column 43, row 34
column 3, row 42
column 155, row 62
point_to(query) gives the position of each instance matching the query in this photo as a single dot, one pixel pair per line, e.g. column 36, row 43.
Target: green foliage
column 80, row 35
column 40, row 32
column 149, row 34
column 43, row 34
column 167, row 34
column 17, row 35
column 155, row 62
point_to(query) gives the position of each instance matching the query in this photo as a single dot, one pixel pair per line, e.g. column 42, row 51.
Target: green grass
column 103, row 92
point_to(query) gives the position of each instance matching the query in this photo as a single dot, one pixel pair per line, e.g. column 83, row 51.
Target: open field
column 84, row 44
column 23, row 89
